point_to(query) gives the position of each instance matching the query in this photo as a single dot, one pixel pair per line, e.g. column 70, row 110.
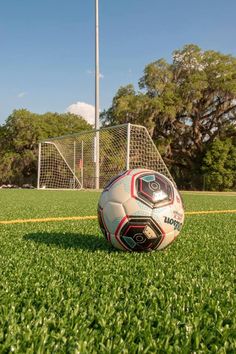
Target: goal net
column 69, row 162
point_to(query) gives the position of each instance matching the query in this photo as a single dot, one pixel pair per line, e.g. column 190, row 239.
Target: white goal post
column 69, row 162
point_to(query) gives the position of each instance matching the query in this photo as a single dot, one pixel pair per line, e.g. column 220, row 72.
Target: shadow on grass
column 68, row 240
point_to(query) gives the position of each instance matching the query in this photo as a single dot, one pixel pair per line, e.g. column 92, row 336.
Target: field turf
column 63, row 289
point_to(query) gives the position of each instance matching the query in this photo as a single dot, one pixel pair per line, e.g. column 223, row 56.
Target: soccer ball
column 140, row 210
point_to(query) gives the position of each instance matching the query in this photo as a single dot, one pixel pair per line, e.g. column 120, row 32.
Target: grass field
column 63, row 289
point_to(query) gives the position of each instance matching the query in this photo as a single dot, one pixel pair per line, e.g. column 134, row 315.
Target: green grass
column 18, row 204
column 63, row 289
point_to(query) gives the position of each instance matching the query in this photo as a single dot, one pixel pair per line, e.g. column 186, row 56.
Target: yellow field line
column 94, row 217
column 210, row 212
column 64, row 218
column 222, row 194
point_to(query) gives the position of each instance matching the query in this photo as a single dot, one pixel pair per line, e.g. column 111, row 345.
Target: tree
column 185, row 105
column 219, row 165
column 19, row 138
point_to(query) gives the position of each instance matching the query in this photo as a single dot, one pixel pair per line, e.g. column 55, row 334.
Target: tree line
column 188, row 107
column 19, row 138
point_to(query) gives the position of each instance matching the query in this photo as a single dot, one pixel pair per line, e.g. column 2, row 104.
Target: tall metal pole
column 82, row 164
column 97, row 74
column 74, row 163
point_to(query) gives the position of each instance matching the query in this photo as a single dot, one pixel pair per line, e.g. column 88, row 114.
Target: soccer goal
column 69, row 162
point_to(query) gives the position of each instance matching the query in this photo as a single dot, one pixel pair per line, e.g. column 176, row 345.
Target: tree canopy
column 185, row 105
column 19, row 138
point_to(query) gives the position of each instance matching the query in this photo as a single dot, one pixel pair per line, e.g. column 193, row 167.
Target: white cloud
column 91, row 72
column 21, row 94
column 87, row 111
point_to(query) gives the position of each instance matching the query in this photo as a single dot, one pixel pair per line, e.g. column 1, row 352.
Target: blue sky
column 47, row 46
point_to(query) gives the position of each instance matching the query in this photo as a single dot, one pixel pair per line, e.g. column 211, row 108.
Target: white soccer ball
column 140, row 210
